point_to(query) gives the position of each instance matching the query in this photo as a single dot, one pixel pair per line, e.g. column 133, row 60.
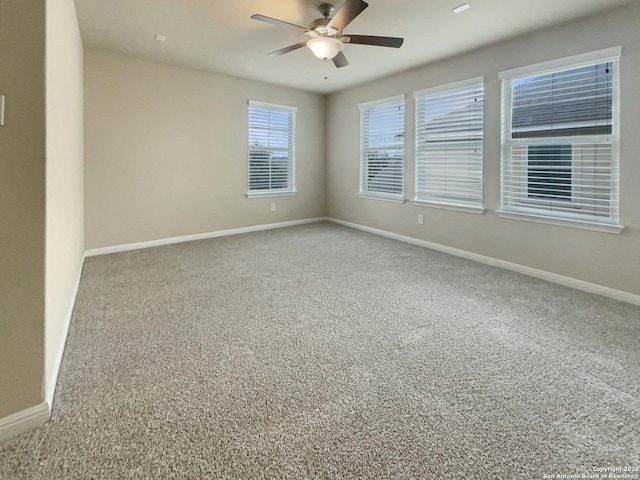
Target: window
column 449, row 146
column 271, row 149
column 382, row 149
column 560, row 137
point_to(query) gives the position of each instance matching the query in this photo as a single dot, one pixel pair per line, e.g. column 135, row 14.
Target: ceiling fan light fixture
column 325, row 48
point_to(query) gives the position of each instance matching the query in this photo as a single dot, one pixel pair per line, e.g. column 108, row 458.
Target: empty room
column 306, row 239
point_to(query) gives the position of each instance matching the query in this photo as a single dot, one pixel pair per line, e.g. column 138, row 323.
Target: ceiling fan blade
column 350, row 10
column 340, row 60
column 275, row 21
column 288, row 49
column 393, row 42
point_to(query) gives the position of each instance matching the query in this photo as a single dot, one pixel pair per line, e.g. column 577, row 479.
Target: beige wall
column 22, row 204
column 64, row 173
column 41, row 193
column 166, row 152
column 600, row 258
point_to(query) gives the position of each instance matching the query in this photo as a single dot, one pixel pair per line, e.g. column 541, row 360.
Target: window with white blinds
column 560, row 136
column 382, row 148
column 449, row 134
column 271, row 149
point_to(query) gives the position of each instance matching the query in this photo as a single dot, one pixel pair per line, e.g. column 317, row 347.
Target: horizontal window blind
column 560, row 142
column 566, row 103
column 382, row 147
column 271, row 148
column 449, row 135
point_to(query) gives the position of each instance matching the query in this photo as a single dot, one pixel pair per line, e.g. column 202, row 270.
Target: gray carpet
column 324, row 352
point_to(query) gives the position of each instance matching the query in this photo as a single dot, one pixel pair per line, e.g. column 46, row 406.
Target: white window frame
column 528, row 209
column 365, row 110
column 449, row 200
column 290, row 188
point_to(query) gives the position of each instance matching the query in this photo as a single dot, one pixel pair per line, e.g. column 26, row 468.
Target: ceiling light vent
column 462, row 8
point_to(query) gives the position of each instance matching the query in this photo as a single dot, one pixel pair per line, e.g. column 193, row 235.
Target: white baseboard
column 199, row 236
column 23, row 420
column 495, row 262
column 50, row 385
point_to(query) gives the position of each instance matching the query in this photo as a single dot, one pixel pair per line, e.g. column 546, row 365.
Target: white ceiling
column 218, row 36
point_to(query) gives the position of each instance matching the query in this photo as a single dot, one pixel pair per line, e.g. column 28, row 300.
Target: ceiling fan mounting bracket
column 326, row 9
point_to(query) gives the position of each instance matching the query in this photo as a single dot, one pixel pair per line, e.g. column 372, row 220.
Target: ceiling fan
column 327, row 40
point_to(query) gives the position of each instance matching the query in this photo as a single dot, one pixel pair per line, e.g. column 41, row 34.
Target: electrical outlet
column 273, row 207
column 420, row 219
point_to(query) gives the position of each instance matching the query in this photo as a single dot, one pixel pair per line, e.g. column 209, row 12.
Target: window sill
column 450, row 206
column 562, row 222
column 384, row 198
column 287, row 193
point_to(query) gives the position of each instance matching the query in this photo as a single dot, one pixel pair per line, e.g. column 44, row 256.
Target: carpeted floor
column 324, row 352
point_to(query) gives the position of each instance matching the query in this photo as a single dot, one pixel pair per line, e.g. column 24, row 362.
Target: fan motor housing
column 319, row 23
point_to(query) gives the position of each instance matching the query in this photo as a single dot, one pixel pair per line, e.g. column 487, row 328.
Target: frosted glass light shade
column 325, row 48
